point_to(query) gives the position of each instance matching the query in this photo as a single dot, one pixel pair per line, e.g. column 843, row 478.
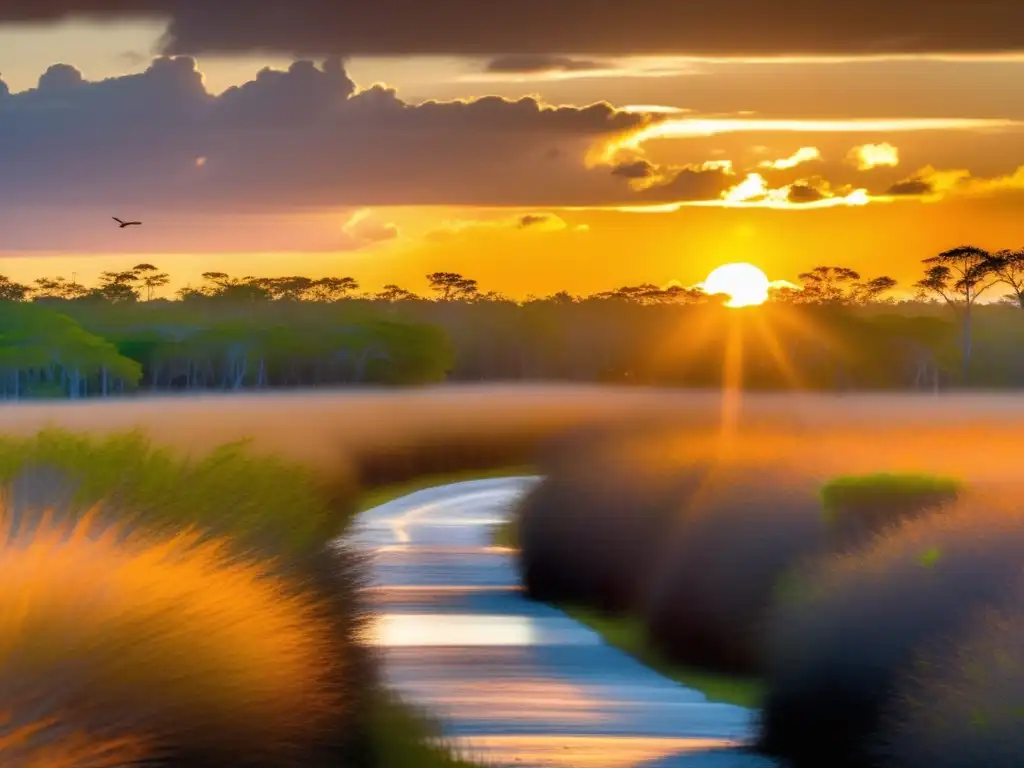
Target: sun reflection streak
column 770, row 341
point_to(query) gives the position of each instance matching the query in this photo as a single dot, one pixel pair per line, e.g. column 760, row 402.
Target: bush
column 225, row 513
column 140, row 647
column 837, row 646
column 858, row 506
column 590, row 533
column 963, row 704
column 713, row 588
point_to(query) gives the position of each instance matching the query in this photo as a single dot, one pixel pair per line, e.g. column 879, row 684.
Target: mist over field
column 976, row 436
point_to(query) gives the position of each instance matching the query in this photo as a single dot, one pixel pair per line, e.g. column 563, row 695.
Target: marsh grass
column 186, row 606
column 261, row 500
column 856, row 507
column 173, row 642
column 962, row 701
column 838, row 648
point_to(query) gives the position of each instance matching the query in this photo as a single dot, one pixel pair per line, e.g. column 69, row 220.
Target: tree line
column 59, row 338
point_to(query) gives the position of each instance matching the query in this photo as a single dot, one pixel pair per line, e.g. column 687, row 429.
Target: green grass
column 377, row 496
column 227, row 490
column 234, row 492
column 887, row 491
column 628, row 634
column 406, row 737
column 506, row 535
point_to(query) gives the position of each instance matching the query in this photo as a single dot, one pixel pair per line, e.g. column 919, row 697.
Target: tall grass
column 185, row 607
column 229, row 491
column 173, row 643
column 730, row 545
column 838, row 645
column 961, row 702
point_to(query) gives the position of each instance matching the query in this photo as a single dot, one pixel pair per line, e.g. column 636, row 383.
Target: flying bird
column 126, row 223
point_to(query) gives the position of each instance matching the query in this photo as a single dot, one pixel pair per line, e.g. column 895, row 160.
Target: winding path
column 517, row 683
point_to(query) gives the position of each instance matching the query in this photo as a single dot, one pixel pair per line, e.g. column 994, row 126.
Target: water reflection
column 600, row 752
column 422, row 629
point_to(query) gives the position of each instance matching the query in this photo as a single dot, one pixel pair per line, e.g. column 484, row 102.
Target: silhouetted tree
column 332, row 288
column 1008, row 269
column 151, row 278
column 12, row 291
column 959, row 276
column 118, row 286
column 871, row 291
column 827, row 285
column 58, row 288
column 392, row 292
column 451, row 286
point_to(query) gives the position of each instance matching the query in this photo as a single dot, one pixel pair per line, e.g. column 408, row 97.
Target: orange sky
column 873, row 163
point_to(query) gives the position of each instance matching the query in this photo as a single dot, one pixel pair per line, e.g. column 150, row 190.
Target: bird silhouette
column 126, row 223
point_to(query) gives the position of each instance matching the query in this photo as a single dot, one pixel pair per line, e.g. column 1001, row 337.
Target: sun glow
column 743, row 283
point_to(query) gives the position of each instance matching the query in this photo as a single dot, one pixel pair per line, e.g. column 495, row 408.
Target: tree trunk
column 967, row 345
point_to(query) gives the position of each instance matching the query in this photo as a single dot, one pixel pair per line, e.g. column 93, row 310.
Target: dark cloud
column 910, row 187
column 803, row 193
column 636, row 169
column 601, row 27
column 532, row 63
column 688, row 185
column 295, row 139
column 533, row 219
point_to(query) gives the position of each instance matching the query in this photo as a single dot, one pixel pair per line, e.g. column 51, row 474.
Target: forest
column 838, row 331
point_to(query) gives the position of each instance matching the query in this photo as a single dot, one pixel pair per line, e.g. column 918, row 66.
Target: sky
column 532, row 146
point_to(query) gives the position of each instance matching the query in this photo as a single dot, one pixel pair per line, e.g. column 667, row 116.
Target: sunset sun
column 743, row 283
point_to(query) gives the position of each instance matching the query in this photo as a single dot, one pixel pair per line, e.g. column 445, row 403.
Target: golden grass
column 176, row 637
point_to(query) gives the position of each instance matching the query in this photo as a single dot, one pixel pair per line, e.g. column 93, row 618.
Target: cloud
column 301, row 139
column 933, row 184
column 635, row 169
column 539, row 63
column 362, row 226
column 134, row 58
column 868, row 156
column 655, row 183
column 547, row 222
column 802, row 155
column 533, row 222
column 814, row 192
column 633, row 140
column 910, row 187
column 804, row 193
column 390, row 27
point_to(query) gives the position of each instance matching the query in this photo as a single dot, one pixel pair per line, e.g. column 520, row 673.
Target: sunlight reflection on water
column 393, row 630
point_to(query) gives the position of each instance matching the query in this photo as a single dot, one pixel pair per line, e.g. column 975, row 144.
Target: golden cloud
column 802, row 155
column 931, row 184
column 754, row 191
column 688, row 128
column 868, row 156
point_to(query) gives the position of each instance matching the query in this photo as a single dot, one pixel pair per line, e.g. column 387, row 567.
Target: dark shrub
column 855, row 507
column 837, row 645
column 963, row 704
column 713, row 588
column 591, row 532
